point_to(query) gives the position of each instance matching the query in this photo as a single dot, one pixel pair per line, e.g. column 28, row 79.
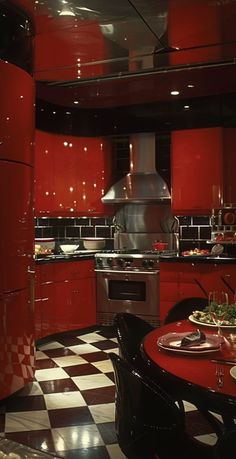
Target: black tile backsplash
column 194, row 231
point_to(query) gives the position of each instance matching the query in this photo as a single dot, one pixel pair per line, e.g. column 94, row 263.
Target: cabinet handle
column 201, row 287
column 227, row 284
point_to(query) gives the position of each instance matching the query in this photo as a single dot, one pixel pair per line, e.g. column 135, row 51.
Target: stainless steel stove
column 128, row 282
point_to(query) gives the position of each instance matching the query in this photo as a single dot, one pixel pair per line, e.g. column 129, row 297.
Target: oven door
column 136, row 292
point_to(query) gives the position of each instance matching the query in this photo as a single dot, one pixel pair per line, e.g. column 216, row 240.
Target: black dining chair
column 148, row 422
column 130, row 331
column 183, row 308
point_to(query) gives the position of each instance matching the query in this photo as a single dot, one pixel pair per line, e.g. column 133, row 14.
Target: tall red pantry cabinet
column 16, row 219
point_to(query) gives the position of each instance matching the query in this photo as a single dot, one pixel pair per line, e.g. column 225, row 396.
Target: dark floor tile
column 60, row 352
column 42, row 364
column 38, row 439
column 32, row 403
column 2, row 422
column 107, row 331
column 70, row 341
column 99, row 452
column 111, row 376
column 196, row 424
column 99, row 395
column 107, row 344
column 70, row 417
column 81, row 370
column 108, row 432
column 58, row 385
column 95, row 356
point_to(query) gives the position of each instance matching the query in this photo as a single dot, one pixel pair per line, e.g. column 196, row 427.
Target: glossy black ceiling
column 137, row 66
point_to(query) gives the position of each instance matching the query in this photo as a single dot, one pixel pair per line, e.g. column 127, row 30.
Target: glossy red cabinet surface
column 17, row 114
column 196, row 170
column 65, row 297
column 17, row 360
column 71, row 175
column 64, row 33
column 193, row 279
column 201, row 31
column 229, row 165
column 16, row 221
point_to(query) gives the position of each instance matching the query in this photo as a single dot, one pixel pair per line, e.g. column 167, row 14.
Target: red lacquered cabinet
column 17, row 229
column 193, row 279
column 197, row 170
column 65, row 297
column 71, row 175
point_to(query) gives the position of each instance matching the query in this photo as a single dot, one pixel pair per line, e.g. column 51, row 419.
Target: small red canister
column 159, row 245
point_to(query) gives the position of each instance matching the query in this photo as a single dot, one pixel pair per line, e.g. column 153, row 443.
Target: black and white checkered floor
column 69, row 409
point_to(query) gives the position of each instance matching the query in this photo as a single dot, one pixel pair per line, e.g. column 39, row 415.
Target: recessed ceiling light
column 174, row 93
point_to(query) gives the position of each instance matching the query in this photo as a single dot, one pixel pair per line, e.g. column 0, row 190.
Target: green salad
column 204, row 316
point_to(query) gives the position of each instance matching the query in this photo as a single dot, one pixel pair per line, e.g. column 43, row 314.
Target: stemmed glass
column 218, row 302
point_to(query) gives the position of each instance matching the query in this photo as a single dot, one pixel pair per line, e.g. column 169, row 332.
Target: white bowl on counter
column 69, row 248
column 94, row 243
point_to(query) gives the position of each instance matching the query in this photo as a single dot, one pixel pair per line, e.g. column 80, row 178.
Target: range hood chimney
column 143, row 183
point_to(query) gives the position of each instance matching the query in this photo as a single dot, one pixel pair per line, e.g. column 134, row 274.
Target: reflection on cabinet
column 197, row 171
column 71, row 175
column 65, row 297
column 193, row 279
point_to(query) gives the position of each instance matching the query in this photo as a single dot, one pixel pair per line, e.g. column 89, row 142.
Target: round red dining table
column 194, row 374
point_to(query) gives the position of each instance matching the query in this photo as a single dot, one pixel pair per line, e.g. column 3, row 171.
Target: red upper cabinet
column 71, row 175
column 197, row 170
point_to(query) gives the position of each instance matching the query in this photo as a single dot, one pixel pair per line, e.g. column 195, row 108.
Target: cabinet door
column 227, row 281
column 197, row 172
column 169, row 287
column 229, row 165
column 71, row 175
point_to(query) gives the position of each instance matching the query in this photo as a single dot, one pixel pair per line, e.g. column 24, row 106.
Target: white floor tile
column 83, row 349
column 64, row 400
column 31, row 389
column 91, row 337
column 26, row 421
column 92, row 381
column 51, row 345
column 50, row 374
column 105, row 366
column 75, row 437
column 103, row 413
column 189, row 406
column 115, row 452
column 115, row 350
column 39, row 355
column 210, row 439
column 69, row 360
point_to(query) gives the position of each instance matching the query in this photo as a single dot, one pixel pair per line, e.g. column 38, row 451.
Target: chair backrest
column 148, row 422
column 130, row 331
column 226, row 445
column 183, row 308
column 145, row 414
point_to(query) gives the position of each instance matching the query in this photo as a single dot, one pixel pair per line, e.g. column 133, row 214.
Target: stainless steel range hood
column 143, row 183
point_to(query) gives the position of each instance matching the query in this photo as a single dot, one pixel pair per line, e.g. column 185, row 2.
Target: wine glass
column 218, row 303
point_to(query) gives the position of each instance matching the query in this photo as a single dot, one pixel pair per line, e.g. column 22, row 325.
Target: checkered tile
column 68, row 410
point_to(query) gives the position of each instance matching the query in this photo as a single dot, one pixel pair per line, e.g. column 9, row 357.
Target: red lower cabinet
column 193, row 279
column 65, row 297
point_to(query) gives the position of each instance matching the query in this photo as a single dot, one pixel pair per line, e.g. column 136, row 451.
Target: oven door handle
column 115, row 271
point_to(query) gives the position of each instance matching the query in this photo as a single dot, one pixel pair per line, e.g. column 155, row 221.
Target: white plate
column 205, row 324
column 172, row 342
column 233, row 372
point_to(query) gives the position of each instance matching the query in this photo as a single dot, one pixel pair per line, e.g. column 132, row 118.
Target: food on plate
column 205, row 317
column 194, row 252
column 193, row 338
column 39, row 250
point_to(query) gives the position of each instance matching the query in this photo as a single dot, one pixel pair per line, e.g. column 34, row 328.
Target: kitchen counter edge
column 198, row 259
column 63, row 258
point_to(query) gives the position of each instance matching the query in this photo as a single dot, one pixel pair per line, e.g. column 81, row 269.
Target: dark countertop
column 198, row 259
column 65, row 257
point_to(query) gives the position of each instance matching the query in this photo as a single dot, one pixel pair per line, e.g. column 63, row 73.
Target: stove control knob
column 145, row 263
column 99, row 261
column 120, row 262
column 109, row 261
column 151, row 263
column 128, row 263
